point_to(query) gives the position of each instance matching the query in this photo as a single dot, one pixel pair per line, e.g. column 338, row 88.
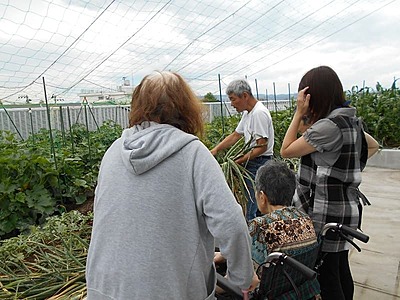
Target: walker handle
column 337, row 227
column 226, row 285
column 354, row 233
column 306, row 271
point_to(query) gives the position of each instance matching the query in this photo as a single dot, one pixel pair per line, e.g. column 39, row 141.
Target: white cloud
column 274, row 42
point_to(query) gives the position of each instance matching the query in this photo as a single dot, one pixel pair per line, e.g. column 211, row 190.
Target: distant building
column 122, row 95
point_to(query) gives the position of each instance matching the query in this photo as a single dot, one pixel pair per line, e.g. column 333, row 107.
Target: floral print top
column 286, row 230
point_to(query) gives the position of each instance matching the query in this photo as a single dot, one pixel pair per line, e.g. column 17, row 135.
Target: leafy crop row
column 48, row 262
column 380, row 111
column 36, row 182
column 39, row 178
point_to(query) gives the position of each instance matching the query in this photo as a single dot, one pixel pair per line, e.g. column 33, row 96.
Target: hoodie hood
column 146, row 145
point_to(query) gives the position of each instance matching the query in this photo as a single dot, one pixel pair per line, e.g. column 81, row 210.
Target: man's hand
column 213, row 152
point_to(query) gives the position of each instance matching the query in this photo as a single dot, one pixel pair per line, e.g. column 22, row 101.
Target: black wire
column 62, row 54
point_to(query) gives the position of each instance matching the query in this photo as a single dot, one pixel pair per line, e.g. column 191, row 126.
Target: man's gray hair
column 276, row 181
column 238, row 87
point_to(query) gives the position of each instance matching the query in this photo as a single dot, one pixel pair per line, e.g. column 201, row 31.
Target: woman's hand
column 303, row 102
column 291, row 145
column 254, row 282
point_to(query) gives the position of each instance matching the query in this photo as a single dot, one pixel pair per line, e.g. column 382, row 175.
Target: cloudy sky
column 78, row 45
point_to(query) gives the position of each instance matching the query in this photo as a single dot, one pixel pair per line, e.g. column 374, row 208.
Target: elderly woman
column 282, row 228
column 160, row 202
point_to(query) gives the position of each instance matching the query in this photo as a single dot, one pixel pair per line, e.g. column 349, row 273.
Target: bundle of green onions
column 49, row 263
column 236, row 174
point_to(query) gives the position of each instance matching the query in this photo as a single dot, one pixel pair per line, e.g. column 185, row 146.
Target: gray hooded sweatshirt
column 160, row 203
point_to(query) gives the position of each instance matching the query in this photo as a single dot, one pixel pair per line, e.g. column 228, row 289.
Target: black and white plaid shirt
column 329, row 192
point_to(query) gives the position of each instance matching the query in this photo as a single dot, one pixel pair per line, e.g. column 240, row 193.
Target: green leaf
column 80, row 182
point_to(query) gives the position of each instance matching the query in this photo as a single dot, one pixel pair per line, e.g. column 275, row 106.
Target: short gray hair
column 276, row 181
column 238, row 87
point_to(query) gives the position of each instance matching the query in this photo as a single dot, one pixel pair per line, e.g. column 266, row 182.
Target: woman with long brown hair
column 332, row 158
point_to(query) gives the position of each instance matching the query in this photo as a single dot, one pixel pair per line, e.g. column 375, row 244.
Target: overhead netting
column 80, row 46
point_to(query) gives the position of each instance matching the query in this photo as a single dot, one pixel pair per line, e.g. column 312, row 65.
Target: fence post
column 276, row 106
column 87, row 131
column 12, row 122
column 62, row 126
column 93, row 116
column 256, row 89
column 290, row 100
column 220, row 99
column 31, row 121
column 71, row 130
column 53, row 152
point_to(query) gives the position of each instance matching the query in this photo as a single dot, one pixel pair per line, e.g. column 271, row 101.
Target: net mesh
column 78, row 46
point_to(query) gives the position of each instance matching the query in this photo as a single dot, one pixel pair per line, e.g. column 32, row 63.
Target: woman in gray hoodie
column 161, row 204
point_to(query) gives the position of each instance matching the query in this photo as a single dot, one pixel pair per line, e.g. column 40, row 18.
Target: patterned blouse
column 283, row 230
column 286, row 230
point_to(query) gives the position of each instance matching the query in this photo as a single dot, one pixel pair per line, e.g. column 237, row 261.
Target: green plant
column 380, row 112
column 218, row 129
column 26, row 181
column 236, row 174
column 209, row 97
column 36, row 182
column 49, row 263
column 281, row 120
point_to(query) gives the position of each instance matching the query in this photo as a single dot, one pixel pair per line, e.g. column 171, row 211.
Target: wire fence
column 26, row 121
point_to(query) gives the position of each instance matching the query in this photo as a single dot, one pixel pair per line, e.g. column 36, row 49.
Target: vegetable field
column 46, row 190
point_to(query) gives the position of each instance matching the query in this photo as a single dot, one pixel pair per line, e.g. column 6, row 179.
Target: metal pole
column 362, row 103
column 276, row 106
column 256, row 89
column 31, row 119
column 77, row 117
column 290, row 99
column 93, row 116
column 71, row 130
column 220, row 100
column 12, row 122
column 62, row 126
column 53, row 152
column 87, row 132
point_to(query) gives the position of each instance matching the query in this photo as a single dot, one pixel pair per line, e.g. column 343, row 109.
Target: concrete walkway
column 376, row 269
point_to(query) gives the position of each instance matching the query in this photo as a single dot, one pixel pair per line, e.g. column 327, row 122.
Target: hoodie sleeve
column 224, row 217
